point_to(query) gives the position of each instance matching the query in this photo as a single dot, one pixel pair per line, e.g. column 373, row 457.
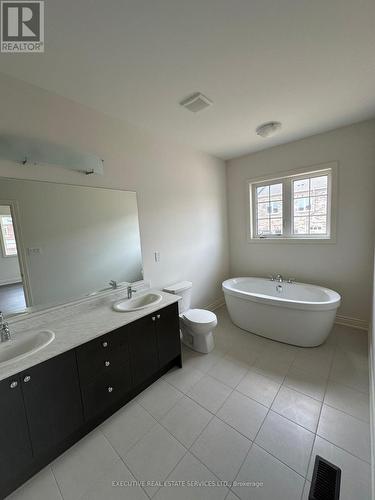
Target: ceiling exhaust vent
column 196, row 102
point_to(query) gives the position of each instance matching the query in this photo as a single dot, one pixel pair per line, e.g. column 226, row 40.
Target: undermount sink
column 141, row 302
column 23, row 345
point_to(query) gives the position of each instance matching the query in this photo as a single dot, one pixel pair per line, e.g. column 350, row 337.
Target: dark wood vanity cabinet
column 47, row 408
column 15, row 445
column 166, row 325
column 160, row 332
column 53, row 401
column 143, row 349
column 104, row 370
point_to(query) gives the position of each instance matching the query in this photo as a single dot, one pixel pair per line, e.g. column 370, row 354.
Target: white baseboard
column 351, row 322
column 11, row 281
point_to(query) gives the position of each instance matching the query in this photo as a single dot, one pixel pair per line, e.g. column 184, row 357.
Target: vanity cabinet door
column 168, row 334
column 15, row 446
column 53, row 401
column 143, row 349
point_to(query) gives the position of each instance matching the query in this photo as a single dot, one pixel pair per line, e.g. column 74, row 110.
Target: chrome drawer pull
column 153, row 318
column 107, row 363
column 105, row 344
column 110, row 389
column 158, row 316
column 27, row 378
column 13, row 384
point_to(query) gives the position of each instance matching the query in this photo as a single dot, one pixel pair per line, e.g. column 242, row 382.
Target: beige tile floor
column 252, row 410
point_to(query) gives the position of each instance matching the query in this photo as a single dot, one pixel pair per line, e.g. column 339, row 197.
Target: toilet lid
column 199, row 316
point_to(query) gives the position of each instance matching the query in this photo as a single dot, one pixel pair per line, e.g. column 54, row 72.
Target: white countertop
column 76, row 323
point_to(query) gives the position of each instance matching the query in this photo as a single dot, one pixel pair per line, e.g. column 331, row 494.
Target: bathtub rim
column 333, row 303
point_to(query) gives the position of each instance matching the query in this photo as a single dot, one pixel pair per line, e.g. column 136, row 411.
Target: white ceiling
column 307, row 63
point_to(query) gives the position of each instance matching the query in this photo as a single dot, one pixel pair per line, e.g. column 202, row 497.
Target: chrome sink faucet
column 4, row 329
column 279, row 278
column 113, row 284
column 130, row 291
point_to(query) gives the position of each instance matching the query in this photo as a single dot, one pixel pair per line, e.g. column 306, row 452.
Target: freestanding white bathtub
column 294, row 313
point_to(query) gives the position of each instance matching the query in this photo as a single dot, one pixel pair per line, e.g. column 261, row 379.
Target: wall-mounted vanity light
column 29, row 151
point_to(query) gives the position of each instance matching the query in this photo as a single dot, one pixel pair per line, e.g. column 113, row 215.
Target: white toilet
column 196, row 324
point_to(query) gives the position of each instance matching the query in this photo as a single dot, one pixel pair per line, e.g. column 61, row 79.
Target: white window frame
column 286, row 178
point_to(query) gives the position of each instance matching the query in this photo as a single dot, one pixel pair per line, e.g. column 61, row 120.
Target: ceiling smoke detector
column 196, row 102
column 268, row 129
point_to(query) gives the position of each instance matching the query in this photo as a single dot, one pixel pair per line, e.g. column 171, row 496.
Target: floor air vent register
column 326, row 480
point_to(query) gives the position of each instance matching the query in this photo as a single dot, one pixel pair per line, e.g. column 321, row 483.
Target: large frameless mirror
column 60, row 242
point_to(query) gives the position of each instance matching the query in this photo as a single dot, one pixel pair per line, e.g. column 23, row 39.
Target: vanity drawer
column 105, row 343
column 105, row 391
column 93, row 363
column 102, row 354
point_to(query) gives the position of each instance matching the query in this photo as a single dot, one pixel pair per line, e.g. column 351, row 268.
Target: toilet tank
column 183, row 289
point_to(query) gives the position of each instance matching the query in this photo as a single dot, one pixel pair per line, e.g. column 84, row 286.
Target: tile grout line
column 205, row 465
column 256, row 435
column 57, row 483
column 269, row 409
column 317, row 426
column 347, row 414
column 326, row 382
column 343, row 449
column 137, row 441
column 188, row 450
column 179, row 461
column 211, row 419
column 126, row 465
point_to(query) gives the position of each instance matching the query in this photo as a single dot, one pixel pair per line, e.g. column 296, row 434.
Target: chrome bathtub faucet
column 4, row 329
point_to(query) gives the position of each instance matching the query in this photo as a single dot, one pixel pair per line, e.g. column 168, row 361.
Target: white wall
column 181, row 193
column 346, row 265
column 9, row 266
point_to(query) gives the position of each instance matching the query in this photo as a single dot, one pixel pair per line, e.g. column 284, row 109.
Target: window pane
column 301, row 206
column 9, row 240
column 318, row 185
column 269, row 206
column 263, row 226
column 276, row 192
column 301, row 225
column 264, row 210
column 276, row 209
column 318, row 225
column 318, row 205
column 301, row 188
column 263, row 193
column 276, row 226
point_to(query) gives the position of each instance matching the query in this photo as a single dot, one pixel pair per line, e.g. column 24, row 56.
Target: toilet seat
column 195, row 317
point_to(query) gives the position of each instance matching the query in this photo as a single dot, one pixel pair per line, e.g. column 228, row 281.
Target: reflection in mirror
column 60, row 242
